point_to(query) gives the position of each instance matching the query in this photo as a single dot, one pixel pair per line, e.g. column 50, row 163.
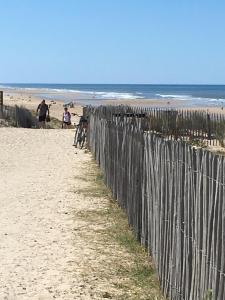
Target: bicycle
column 80, row 136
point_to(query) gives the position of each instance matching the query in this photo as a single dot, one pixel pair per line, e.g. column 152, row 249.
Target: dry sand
column 42, row 252
column 55, row 234
column 40, row 256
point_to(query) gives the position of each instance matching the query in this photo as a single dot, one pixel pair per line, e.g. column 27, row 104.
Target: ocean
column 193, row 95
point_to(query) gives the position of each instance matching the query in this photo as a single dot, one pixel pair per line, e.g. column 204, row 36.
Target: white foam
column 107, row 95
column 92, row 94
column 216, row 100
column 116, row 95
column 184, row 97
column 101, row 95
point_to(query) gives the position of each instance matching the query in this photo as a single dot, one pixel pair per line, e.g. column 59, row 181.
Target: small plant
column 208, row 295
column 220, row 134
column 197, row 143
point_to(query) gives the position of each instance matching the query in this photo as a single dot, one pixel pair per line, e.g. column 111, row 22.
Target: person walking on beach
column 43, row 112
column 66, row 118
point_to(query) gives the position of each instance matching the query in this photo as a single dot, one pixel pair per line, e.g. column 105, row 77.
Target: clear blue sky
column 112, row 41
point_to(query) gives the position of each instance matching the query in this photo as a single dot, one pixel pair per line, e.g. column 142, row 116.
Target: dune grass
column 134, row 271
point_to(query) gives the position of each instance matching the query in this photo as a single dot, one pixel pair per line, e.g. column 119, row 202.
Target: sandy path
column 40, row 256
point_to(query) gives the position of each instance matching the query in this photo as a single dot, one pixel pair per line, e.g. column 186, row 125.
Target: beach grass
column 132, row 275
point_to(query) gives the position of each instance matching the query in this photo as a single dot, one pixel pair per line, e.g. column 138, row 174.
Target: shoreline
column 31, row 98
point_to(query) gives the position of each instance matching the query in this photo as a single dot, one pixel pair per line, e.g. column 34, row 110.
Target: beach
column 53, row 245
column 30, row 98
column 50, row 249
column 112, row 150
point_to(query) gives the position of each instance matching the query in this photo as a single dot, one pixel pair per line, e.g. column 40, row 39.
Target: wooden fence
column 173, row 195
column 197, row 126
column 17, row 116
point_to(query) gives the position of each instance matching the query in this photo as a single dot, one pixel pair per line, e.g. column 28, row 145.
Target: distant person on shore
column 43, row 112
column 66, row 118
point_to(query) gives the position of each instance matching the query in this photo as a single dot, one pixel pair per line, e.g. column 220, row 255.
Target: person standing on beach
column 66, row 118
column 42, row 111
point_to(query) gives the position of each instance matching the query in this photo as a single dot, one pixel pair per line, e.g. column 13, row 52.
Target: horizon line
column 4, row 83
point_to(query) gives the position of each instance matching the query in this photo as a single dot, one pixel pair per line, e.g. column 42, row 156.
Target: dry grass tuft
column 131, row 273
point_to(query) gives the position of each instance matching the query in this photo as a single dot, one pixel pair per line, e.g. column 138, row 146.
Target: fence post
column 209, row 126
column 1, row 103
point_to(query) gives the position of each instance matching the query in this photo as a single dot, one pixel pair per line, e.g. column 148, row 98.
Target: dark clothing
column 67, row 123
column 43, row 109
column 42, row 118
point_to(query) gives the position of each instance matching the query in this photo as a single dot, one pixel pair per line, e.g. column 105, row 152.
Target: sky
column 112, row 41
